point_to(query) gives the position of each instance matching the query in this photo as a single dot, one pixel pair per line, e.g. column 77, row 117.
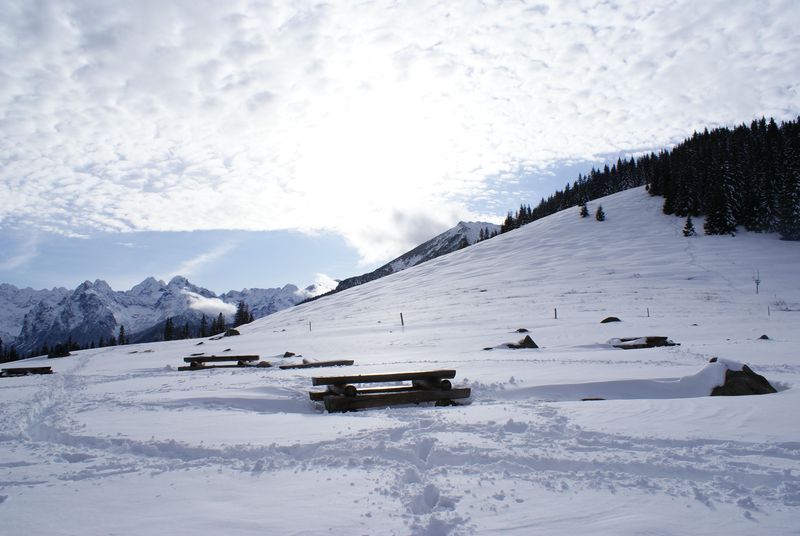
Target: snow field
column 119, row 442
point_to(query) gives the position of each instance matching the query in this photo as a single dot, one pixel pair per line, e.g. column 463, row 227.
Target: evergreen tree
column 122, row 339
column 220, row 323
column 584, row 210
column 788, row 205
column 720, row 218
column 242, row 315
column 688, row 228
column 600, row 215
column 204, row 326
column 169, row 330
column 185, row 332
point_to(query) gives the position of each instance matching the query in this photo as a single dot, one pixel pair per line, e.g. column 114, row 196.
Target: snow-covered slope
column 460, row 236
column 119, row 441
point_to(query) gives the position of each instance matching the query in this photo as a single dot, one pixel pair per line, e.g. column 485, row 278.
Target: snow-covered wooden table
column 344, row 394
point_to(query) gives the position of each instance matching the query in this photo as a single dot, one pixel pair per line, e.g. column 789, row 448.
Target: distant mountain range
column 93, row 312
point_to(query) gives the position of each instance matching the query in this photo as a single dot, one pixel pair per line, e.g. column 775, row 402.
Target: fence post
column 402, row 322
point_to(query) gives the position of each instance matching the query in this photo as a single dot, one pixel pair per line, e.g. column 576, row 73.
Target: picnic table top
column 219, row 358
column 385, row 377
column 315, row 364
column 21, row 371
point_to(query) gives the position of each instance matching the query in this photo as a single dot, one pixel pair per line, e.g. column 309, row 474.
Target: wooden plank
column 203, row 367
column 335, row 403
column 315, row 364
column 220, row 358
column 384, row 377
column 319, row 396
column 24, row 371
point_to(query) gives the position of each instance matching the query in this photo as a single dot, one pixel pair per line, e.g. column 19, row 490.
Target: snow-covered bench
column 24, row 371
column 346, row 393
column 200, row 361
column 318, row 364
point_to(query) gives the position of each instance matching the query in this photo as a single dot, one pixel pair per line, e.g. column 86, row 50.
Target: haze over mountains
column 92, row 314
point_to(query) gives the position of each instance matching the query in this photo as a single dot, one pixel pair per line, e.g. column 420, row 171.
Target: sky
column 257, row 143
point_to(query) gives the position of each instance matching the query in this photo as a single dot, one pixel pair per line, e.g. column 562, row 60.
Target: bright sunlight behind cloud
column 371, row 121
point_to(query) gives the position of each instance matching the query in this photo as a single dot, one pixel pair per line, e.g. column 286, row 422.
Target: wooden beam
column 315, row 364
column 319, row 396
column 220, row 358
column 384, row 377
column 24, row 371
column 203, row 367
column 335, row 403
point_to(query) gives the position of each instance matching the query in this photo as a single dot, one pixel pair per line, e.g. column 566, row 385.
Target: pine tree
column 204, row 326
column 688, row 229
column 720, row 218
column 185, row 332
column 600, row 215
column 242, row 315
column 122, row 339
column 584, row 211
column 169, row 330
column 788, row 224
column 220, row 323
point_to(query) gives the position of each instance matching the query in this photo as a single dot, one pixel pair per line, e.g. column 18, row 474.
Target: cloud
column 27, row 250
column 174, row 116
column 209, row 306
column 196, row 264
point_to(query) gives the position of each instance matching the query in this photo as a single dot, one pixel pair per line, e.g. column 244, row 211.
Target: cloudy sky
column 255, row 143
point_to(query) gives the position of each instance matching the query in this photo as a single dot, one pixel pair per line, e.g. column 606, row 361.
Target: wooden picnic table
column 198, row 362
column 24, row 371
column 346, row 393
column 318, row 364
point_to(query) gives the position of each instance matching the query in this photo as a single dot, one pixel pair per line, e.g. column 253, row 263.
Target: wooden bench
column 317, row 364
column 199, row 362
column 24, row 371
column 345, row 393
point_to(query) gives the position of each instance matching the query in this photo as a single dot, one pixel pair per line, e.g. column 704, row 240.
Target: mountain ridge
column 93, row 312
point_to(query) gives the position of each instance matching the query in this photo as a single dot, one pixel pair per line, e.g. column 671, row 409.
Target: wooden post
column 402, row 322
column 555, row 313
column 309, row 326
column 648, row 312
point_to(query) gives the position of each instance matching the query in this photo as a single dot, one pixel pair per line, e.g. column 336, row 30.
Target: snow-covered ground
column 118, row 441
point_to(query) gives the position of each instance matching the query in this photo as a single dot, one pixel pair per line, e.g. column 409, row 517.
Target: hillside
column 118, row 441
column 462, row 235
